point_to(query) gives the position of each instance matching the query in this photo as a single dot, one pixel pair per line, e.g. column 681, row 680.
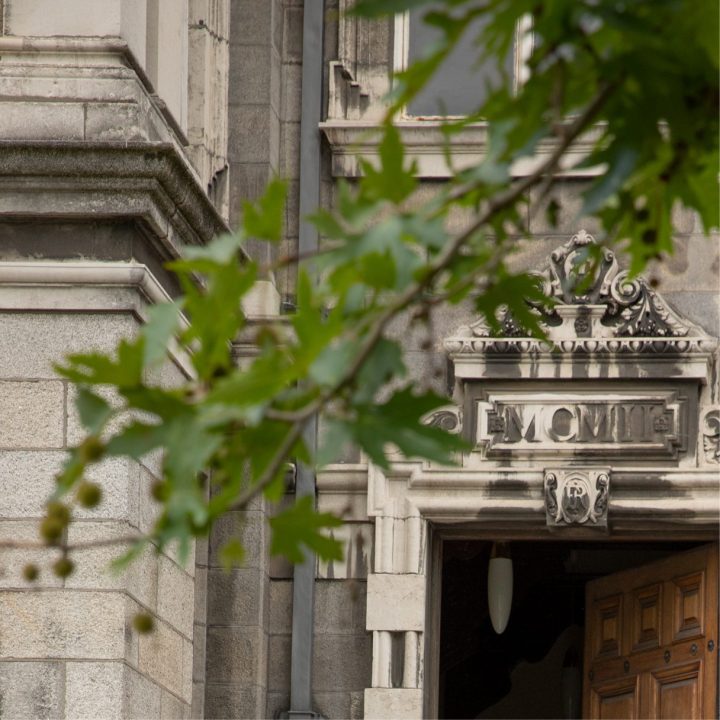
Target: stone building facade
column 129, row 128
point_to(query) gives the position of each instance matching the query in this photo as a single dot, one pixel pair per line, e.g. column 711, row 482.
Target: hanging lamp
column 500, row 586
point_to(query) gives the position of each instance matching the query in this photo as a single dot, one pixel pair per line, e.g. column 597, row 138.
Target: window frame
column 523, row 46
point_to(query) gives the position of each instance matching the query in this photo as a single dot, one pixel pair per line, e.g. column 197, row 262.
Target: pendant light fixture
column 500, row 586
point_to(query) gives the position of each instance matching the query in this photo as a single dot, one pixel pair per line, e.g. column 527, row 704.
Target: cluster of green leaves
column 641, row 75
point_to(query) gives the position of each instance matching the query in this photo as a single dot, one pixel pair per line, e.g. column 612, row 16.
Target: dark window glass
column 460, row 85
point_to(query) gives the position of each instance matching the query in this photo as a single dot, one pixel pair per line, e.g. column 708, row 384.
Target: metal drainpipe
column 304, row 576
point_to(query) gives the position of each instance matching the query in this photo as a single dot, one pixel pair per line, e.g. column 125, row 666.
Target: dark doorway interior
column 519, row 674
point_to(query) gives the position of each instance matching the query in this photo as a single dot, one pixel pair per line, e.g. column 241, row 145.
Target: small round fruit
column 31, row 572
column 143, row 623
column 89, row 494
column 51, row 529
column 63, row 567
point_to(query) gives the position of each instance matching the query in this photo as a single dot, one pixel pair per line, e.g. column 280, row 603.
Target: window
column 460, row 85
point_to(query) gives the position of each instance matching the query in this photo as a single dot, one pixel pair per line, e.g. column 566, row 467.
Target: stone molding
column 66, row 52
column 149, row 181
column 425, row 144
column 85, row 286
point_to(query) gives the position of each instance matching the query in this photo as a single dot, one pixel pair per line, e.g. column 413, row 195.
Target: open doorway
column 534, row 668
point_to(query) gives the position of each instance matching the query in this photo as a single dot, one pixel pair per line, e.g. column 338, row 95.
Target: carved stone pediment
column 591, row 307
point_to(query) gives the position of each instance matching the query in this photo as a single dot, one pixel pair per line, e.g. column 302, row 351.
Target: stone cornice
column 426, row 144
column 64, row 286
column 88, row 48
column 599, row 323
column 149, row 181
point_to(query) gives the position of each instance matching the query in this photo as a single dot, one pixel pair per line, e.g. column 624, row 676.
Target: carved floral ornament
column 710, row 429
column 592, row 308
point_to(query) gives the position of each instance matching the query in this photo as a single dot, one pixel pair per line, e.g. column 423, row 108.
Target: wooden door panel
column 654, row 628
column 676, row 693
column 616, row 700
column 647, row 617
column 689, row 606
column 607, row 627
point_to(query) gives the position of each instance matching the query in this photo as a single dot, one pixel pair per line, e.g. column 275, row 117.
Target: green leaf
column 398, row 422
column 94, row 411
column 384, row 363
column 232, row 554
column 391, row 181
column 136, row 440
column 301, row 525
column 161, row 326
column 264, row 219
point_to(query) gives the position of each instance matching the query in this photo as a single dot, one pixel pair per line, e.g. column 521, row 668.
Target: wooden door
column 651, row 640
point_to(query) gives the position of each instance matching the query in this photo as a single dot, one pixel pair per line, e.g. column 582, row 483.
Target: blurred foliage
column 642, row 75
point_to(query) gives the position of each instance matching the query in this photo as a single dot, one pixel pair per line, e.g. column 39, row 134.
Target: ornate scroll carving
column 448, row 419
column 711, row 435
column 592, row 306
column 577, row 497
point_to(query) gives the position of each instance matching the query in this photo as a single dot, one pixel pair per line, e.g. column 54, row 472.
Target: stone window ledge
column 351, row 140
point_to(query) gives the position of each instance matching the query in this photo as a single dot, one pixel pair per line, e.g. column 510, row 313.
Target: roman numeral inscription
column 537, row 423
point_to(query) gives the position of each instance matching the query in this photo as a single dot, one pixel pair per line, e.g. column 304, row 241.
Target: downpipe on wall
column 303, row 607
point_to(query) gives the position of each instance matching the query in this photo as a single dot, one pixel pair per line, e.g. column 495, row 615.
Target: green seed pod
column 159, row 490
column 89, row 494
column 92, row 449
column 58, row 511
column 51, row 529
column 63, row 567
column 143, row 623
column 31, row 572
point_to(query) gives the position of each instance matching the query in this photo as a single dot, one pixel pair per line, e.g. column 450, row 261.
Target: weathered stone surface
column 142, row 697
column 249, row 527
column 250, row 136
column 277, row 702
column 236, row 597
column 199, row 653
column 278, row 673
column 32, row 414
column 27, row 480
column 335, row 602
column 39, row 121
column 250, row 21
column 200, row 603
column 251, row 65
column 187, row 671
column 161, row 657
column 280, row 599
column 74, row 17
column 702, row 308
column 94, row 690
column 31, row 690
column 13, row 560
column 227, row 702
column 176, row 596
column 396, row 602
column 119, row 479
column 172, row 708
column 398, row 703
column 31, row 342
column 333, row 704
column 62, row 624
column 236, row 655
column 92, row 564
column 349, row 656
